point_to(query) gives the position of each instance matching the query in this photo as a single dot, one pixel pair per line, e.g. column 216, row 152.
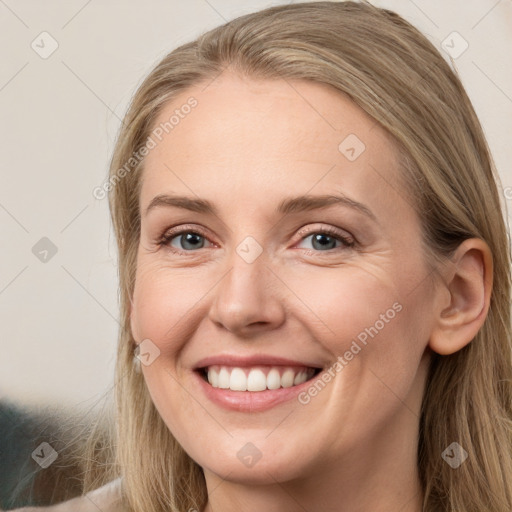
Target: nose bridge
column 244, row 296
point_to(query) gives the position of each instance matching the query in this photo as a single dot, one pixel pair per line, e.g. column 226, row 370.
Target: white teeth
column 256, row 381
column 287, row 379
column 273, row 379
column 223, row 378
column 300, row 378
column 237, row 379
column 213, row 378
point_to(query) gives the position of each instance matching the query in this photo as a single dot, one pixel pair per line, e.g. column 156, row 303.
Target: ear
column 463, row 297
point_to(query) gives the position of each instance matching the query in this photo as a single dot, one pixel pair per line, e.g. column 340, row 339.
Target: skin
column 247, row 146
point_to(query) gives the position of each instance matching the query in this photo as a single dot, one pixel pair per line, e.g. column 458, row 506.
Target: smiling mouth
column 256, row 378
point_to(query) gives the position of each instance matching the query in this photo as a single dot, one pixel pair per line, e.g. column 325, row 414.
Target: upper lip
column 254, row 360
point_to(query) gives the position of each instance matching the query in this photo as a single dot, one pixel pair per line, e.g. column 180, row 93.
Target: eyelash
column 166, row 237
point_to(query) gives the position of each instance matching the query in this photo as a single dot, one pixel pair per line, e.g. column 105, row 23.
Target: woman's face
column 266, row 290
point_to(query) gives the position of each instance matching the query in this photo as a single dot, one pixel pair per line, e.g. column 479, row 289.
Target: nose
column 249, row 298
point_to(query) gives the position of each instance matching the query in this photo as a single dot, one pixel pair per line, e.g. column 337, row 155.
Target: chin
column 244, row 463
column 262, row 473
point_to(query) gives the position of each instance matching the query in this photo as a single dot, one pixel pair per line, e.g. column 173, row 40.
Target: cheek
column 164, row 302
column 374, row 317
column 374, row 326
column 343, row 302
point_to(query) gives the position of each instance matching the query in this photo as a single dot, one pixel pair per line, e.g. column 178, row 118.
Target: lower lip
column 250, row 401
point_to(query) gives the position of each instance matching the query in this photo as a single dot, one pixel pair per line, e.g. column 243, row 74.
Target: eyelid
column 181, row 228
column 330, row 230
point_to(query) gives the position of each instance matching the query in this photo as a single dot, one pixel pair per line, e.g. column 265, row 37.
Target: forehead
column 268, row 138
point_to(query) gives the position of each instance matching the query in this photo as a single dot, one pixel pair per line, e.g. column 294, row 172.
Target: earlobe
column 468, row 281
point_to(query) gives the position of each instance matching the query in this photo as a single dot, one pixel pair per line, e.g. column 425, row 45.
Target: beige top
column 106, row 499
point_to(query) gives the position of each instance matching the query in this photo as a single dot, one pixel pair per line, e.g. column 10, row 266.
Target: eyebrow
column 285, row 207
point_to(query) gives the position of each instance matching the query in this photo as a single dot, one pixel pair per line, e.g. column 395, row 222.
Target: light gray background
column 59, row 118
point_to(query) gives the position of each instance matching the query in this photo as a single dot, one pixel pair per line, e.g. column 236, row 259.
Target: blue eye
column 185, row 240
column 189, row 240
column 326, row 239
column 322, row 241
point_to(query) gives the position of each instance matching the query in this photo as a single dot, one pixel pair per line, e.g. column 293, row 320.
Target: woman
column 315, row 277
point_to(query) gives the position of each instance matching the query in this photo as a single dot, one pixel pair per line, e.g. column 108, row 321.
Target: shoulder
column 106, row 499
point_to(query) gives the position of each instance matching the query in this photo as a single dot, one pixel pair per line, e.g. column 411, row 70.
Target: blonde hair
column 388, row 68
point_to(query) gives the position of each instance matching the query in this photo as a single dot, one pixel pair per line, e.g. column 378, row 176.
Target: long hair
column 390, row 70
